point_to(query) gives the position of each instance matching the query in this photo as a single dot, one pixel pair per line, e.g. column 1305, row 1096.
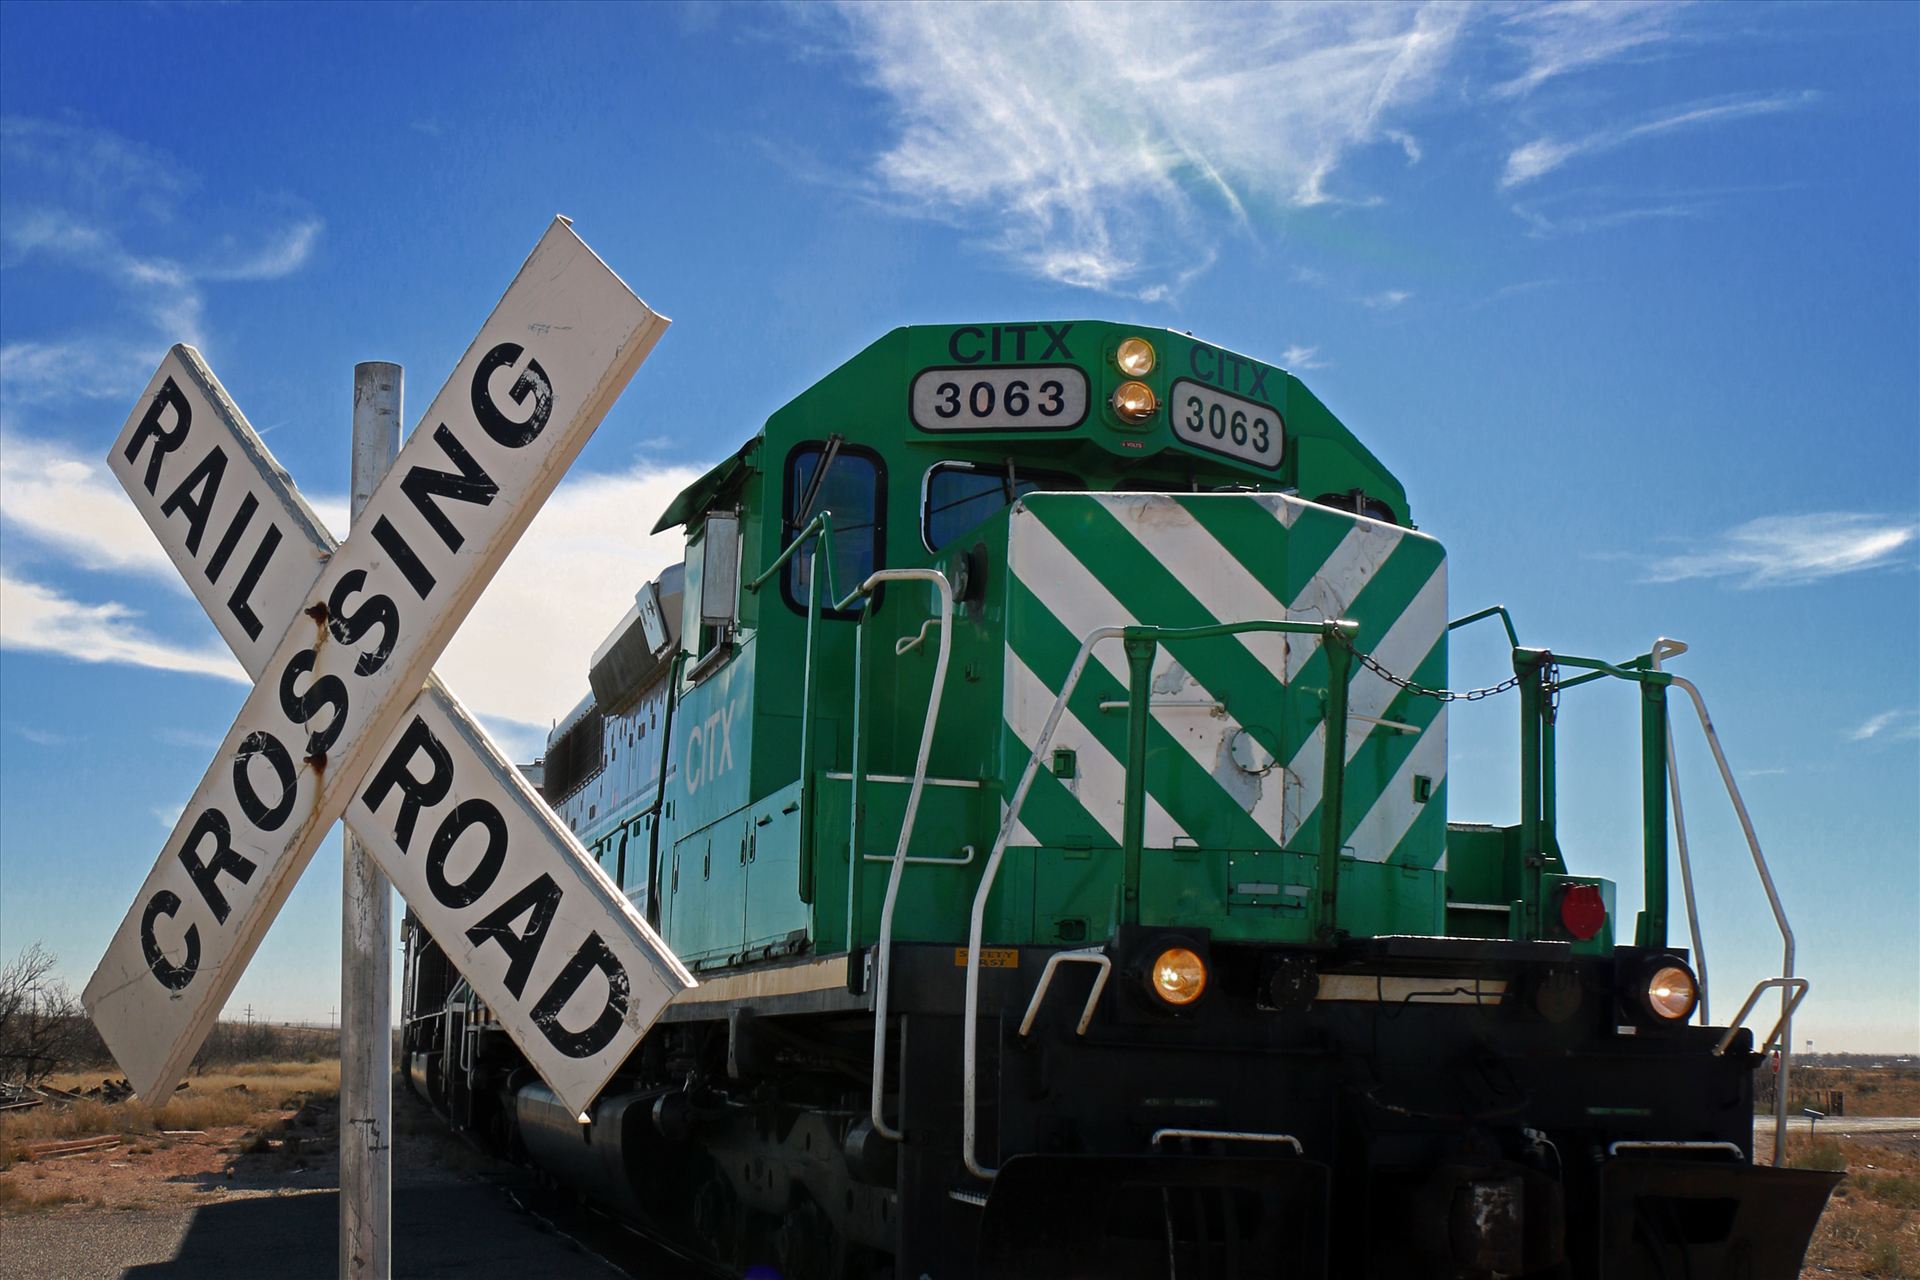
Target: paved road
column 449, row 1230
column 1842, row 1126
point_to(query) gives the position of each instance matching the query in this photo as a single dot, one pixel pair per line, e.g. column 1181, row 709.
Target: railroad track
column 626, row 1248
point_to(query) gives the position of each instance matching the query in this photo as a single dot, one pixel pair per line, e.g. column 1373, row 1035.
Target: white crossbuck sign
column 340, row 641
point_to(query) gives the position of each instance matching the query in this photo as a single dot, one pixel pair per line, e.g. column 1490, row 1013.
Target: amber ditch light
column 1671, row 992
column 1178, row 976
column 1134, row 402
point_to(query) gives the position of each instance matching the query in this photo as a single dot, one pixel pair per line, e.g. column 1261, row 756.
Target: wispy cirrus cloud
column 1102, row 143
column 1519, row 287
column 90, row 368
column 100, row 172
column 1794, row 550
column 1898, row 724
column 79, row 199
column 44, row 737
column 1542, row 155
column 38, row 618
column 576, row 569
column 1078, row 148
column 169, row 292
column 72, row 508
column 1299, row 357
column 278, row 254
column 1556, row 39
column 177, row 737
column 1584, row 209
column 1577, row 213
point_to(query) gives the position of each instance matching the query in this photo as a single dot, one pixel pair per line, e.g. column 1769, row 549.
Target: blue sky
column 1628, row 296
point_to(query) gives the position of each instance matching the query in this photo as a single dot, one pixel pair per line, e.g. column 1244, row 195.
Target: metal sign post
column 340, row 640
column 366, row 931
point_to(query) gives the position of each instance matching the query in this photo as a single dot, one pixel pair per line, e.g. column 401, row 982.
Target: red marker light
column 1582, row 910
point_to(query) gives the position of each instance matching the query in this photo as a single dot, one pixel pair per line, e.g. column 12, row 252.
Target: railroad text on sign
column 333, row 705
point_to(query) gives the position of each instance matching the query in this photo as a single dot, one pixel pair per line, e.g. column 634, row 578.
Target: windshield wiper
column 805, row 510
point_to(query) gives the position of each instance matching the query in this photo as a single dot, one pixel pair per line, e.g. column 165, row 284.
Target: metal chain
column 1439, row 695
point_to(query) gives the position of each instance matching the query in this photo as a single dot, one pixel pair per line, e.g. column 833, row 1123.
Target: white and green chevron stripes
column 1237, row 740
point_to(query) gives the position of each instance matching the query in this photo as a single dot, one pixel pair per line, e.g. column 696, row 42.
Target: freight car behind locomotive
column 1041, row 759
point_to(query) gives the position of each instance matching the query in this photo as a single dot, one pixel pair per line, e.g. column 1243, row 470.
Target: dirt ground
column 254, row 1196
column 280, row 1137
column 1871, row 1229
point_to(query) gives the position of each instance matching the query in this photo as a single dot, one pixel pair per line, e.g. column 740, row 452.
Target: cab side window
column 848, row 482
column 960, row 495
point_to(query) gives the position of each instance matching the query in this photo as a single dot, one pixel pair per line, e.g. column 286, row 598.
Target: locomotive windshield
column 849, row 482
column 959, row 495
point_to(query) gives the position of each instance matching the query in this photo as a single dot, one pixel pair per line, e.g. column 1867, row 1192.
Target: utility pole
column 366, row 930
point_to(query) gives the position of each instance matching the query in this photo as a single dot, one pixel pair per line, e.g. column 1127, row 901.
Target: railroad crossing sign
column 340, row 641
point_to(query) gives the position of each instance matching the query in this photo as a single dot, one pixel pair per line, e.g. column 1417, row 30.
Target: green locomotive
column 1041, row 759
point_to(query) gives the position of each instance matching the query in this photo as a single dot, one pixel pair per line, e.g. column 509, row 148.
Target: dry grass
column 229, row 1096
column 1888, row 1091
column 311, row 1076
column 20, row 1197
column 1816, row 1153
column 1872, row 1224
column 1901, row 1190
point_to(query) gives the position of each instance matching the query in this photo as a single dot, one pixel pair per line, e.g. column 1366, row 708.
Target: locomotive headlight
column 1671, row 991
column 1134, row 402
column 1178, row 976
column 1135, row 357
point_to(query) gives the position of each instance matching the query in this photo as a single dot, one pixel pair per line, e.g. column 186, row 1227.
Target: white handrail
column 1786, row 979
column 931, row 860
column 1086, row 955
column 1230, row 1135
column 881, row 967
column 1795, row 987
column 970, row 1028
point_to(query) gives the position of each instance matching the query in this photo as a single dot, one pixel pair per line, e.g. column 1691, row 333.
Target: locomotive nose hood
column 1236, row 742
